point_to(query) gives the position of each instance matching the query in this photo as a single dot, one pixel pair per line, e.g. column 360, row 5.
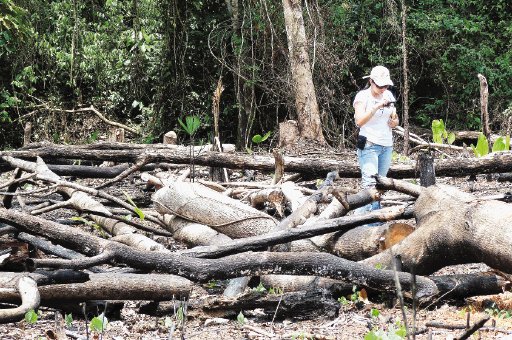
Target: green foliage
column 191, row 125
column 90, row 224
column 146, row 66
column 213, row 284
column 379, row 266
column 260, row 288
column 343, row 301
column 137, row 210
column 13, row 22
column 495, row 312
column 241, row 319
column 180, row 314
column 482, row 146
column 257, row 139
column 394, row 332
column 501, row 144
column 31, row 317
column 93, row 137
column 98, row 323
column 440, row 134
column 68, row 319
column 276, row 290
column 374, row 313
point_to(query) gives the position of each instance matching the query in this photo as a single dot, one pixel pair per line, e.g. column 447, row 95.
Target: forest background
column 148, row 63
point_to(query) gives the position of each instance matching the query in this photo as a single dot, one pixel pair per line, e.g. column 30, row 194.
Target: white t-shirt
column 376, row 130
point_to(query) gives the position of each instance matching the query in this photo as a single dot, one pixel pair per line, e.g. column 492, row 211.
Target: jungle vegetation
column 148, row 63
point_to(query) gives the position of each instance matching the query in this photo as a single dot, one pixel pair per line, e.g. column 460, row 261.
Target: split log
column 453, row 227
column 362, row 242
column 499, row 162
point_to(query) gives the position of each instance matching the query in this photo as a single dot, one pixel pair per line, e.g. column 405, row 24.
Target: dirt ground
column 355, row 320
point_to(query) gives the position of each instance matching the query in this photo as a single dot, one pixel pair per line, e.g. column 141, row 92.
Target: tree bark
column 499, row 162
column 308, row 113
column 203, row 270
column 201, row 204
column 29, row 295
column 405, row 92
column 484, row 100
column 453, row 227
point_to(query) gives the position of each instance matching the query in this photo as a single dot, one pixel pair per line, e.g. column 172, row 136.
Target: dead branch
column 203, row 270
column 30, row 299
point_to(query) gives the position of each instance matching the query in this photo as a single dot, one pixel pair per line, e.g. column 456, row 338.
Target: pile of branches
column 282, row 234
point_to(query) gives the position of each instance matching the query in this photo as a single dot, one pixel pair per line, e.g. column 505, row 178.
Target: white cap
column 380, row 76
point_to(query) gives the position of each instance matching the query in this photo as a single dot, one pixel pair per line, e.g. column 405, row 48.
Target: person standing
column 375, row 115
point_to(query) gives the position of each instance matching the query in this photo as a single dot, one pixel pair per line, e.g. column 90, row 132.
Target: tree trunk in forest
column 484, row 100
column 308, row 113
column 244, row 90
column 405, row 101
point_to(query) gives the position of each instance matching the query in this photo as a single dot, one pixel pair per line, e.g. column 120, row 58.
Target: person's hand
column 393, row 120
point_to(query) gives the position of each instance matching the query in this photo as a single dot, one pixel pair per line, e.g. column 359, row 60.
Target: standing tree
column 308, row 113
column 405, row 101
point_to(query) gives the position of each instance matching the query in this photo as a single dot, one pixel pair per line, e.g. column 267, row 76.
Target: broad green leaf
column 98, row 323
column 31, row 317
column 482, row 146
column 451, row 138
column 499, row 145
column 438, row 130
column 260, row 139
column 68, row 319
column 375, row 312
column 257, row 139
column 191, row 124
column 241, row 318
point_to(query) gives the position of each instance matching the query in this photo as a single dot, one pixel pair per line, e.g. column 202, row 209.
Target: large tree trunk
column 201, row 204
column 308, row 113
column 453, row 227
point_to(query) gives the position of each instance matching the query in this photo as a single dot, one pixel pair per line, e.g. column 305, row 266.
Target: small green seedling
column 258, row 139
column 241, row 319
column 31, row 317
column 98, row 323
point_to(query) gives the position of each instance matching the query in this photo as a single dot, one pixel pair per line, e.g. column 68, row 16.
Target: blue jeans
column 373, row 159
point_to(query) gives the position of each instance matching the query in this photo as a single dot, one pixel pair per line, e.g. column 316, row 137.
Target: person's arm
column 362, row 116
column 393, row 120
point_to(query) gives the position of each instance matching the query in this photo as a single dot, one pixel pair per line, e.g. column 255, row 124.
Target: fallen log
column 203, row 270
column 455, row 167
column 197, row 203
column 339, row 224
column 29, row 295
column 453, row 227
column 300, row 305
column 102, row 286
